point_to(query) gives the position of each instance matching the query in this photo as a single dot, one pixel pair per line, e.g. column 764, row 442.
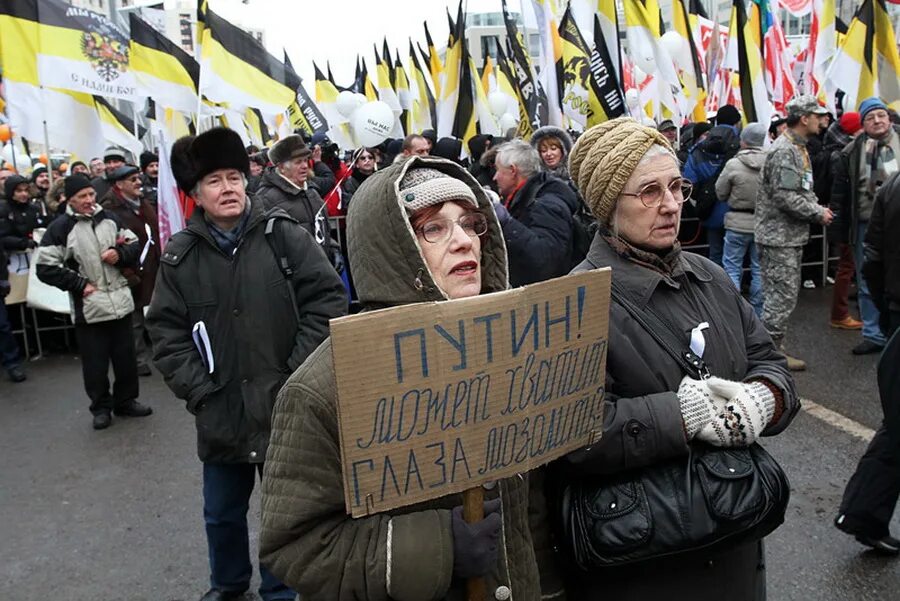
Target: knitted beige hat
column 424, row 187
column 605, row 156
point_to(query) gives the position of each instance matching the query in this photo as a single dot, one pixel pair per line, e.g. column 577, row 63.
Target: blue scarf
column 228, row 240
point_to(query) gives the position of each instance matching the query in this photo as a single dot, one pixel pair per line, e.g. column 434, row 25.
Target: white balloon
column 677, row 48
column 22, row 162
column 346, row 103
column 632, row 98
column 498, row 101
column 507, row 122
column 372, row 123
column 360, row 99
column 643, row 58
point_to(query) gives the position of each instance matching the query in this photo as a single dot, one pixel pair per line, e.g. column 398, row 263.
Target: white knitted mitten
column 697, row 407
column 743, row 410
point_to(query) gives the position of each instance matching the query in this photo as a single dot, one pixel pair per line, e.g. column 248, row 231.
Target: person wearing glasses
column 535, row 210
column 125, row 199
column 656, row 415
column 421, row 230
column 363, row 167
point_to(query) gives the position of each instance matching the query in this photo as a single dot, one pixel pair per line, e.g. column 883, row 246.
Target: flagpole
column 46, row 140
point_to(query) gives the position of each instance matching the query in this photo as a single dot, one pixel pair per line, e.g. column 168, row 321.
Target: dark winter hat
column 430, row 135
column 148, row 157
column 38, row 169
column 699, row 129
column 115, row 152
column 728, row 115
column 287, row 148
column 76, row 163
column 11, row 183
column 120, row 173
column 666, row 125
column 75, row 184
column 870, row 104
column 447, row 148
column 194, row 157
column 424, row 187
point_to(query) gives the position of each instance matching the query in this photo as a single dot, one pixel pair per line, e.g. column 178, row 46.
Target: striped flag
column 433, row 62
column 164, row 72
column 605, row 95
column 529, row 95
column 779, row 59
column 754, row 97
column 550, row 61
column 423, row 99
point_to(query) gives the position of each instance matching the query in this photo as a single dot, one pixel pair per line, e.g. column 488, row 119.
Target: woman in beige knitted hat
column 659, row 413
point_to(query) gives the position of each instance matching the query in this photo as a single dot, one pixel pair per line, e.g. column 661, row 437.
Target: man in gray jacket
column 738, row 185
column 242, row 297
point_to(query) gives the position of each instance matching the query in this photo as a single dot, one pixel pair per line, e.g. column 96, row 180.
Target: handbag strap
column 663, row 332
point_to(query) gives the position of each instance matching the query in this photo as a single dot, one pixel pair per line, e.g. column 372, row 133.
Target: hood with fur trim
column 549, row 131
column 386, row 260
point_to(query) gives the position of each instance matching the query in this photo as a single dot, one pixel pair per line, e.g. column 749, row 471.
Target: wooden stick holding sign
column 473, row 511
column 439, row 398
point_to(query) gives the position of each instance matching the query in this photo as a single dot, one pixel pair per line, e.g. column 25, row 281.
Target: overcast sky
column 337, row 30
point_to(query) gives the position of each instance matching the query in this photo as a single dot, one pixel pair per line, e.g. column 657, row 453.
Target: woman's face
column 551, row 153
column 455, row 263
column 649, row 228
column 366, row 162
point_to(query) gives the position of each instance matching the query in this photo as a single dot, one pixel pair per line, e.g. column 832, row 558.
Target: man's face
column 507, row 179
column 221, row 195
column 97, row 168
column 152, row 170
column 80, row 169
column 671, row 135
column 21, row 193
column 419, row 147
column 42, row 181
column 112, row 164
column 877, row 123
column 130, row 187
column 255, row 168
column 84, row 201
column 4, row 175
column 295, row 170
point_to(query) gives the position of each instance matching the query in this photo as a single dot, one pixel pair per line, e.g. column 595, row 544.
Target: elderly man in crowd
column 243, row 296
column 127, row 202
column 535, row 211
column 863, row 166
column 84, row 252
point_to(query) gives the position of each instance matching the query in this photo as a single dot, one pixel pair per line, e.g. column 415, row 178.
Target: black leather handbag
column 713, row 497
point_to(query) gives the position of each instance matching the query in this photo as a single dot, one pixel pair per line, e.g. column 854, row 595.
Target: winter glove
column 5, row 288
column 697, row 407
column 337, row 259
column 475, row 545
column 743, row 410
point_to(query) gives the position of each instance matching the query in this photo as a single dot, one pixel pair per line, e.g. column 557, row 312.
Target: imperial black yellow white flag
column 61, row 46
column 165, row 72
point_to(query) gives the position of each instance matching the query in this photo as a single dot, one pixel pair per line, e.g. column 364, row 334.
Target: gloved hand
column 475, row 545
column 743, row 410
column 5, row 289
column 697, row 407
column 338, row 260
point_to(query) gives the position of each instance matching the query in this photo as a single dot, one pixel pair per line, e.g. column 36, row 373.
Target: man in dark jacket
column 229, row 324
column 863, row 166
column 113, row 158
column 18, row 216
column 9, row 350
column 535, row 212
column 873, row 490
column 150, row 177
column 323, row 162
column 83, row 252
column 285, row 186
column 134, row 211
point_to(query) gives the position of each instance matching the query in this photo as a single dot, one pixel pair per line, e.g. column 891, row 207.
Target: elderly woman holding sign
column 420, row 230
column 674, row 500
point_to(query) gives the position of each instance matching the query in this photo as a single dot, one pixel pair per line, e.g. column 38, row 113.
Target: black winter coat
column 305, row 206
column 882, row 247
column 17, row 221
column 538, row 230
column 643, row 425
column 244, row 302
column 321, row 178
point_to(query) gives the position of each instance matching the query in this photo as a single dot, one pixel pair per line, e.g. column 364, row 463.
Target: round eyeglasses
column 651, row 195
column 440, row 230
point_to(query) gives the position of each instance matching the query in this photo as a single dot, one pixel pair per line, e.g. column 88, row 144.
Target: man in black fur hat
column 242, row 296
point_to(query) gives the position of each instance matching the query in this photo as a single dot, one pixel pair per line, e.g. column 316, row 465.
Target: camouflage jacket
column 786, row 203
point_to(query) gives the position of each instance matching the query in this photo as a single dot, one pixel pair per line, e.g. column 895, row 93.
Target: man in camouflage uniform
column 785, row 206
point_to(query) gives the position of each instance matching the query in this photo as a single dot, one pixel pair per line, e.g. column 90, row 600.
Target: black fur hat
column 194, row 157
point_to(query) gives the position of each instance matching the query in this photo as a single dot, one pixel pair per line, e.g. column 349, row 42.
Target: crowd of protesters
column 236, row 307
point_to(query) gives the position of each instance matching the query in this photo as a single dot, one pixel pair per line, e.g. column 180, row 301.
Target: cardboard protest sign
column 436, row 398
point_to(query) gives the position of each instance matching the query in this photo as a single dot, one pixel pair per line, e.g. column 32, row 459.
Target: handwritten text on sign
column 440, row 397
